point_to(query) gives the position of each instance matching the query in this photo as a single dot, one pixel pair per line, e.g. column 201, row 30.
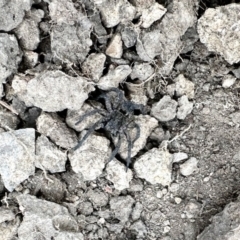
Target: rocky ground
column 176, row 64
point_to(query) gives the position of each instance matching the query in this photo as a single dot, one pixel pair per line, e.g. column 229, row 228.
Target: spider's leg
column 116, row 149
column 90, row 131
column 138, row 133
column 129, row 149
column 87, row 115
column 107, row 102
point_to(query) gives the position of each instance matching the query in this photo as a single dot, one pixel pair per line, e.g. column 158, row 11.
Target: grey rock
column 146, row 124
column 62, row 11
column 184, row 87
column 115, row 48
column 236, row 72
column 28, row 32
column 122, row 207
column 155, row 166
column 52, row 91
column 8, row 231
column 49, row 157
column 189, row 167
column 99, row 199
column 192, row 209
column 137, row 210
column 116, row 173
column 218, row 30
column 94, row 65
column 164, row 110
column 30, row 58
column 185, row 107
column 52, row 126
column 57, row 220
column 6, row 215
column 139, row 229
column 8, row 119
column 164, row 40
column 12, row 13
column 91, row 157
column 114, row 77
column 152, row 14
column 224, row 225
column 85, row 208
column 141, row 71
column 17, row 151
column 74, row 115
column 71, row 44
column 128, row 34
column 10, row 55
column 113, row 12
column 159, row 134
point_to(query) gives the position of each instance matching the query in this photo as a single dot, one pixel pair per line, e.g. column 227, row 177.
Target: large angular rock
column 10, row 56
column 219, row 30
column 225, row 225
column 43, row 220
column 53, row 91
column 91, row 158
column 53, row 127
column 49, row 157
column 17, row 154
column 155, row 166
column 12, row 13
column 28, row 32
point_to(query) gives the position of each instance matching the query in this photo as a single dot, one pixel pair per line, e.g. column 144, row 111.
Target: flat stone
column 50, row 125
column 12, row 13
column 179, row 156
column 185, row 107
column 91, row 158
column 164, row 110
column 115, row 48
column 17, row 153
column 116, row 173
column 155, row 166
column 189, row 167
column 49, row 157
column 218, row 29
column 52, row 91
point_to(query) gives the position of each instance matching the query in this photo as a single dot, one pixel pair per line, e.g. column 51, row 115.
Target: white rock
column 113, row 12
column 114, row 77
column 53, row 91
column 192, row 209
column 141, row 71
column 91, row 158
column 70, row 43
column 177, row 200
column 94, row 65
column 12, row 13
column 30, row 59
column 189, row 167
column 28, row 31
column 116, row 173
column 165, row 109
column 155, row 166
column 152, row 14
column 185, row 107
column 184, row 87
column 115, row 47
column 228, row 81
column 50, row 219
column 53, row 127
column 10, row 56
column 49, row 157
column 74, row 115
column 17, row 154
column 219, row 30
column 146, row 124
column 177, row 157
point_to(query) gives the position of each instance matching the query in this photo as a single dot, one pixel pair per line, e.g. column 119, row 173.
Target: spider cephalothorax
column 118, row 119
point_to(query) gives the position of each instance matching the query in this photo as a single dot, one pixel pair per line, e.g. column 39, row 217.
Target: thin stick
column 8, row 107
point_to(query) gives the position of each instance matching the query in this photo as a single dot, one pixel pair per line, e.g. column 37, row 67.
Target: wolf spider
column 117, row 120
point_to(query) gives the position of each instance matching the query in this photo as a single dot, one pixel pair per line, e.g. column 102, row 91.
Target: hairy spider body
column 118, row 119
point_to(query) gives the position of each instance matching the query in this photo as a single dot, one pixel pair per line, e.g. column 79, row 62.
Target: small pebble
column 178, row 200
column 189, row 167
column 177, row 157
